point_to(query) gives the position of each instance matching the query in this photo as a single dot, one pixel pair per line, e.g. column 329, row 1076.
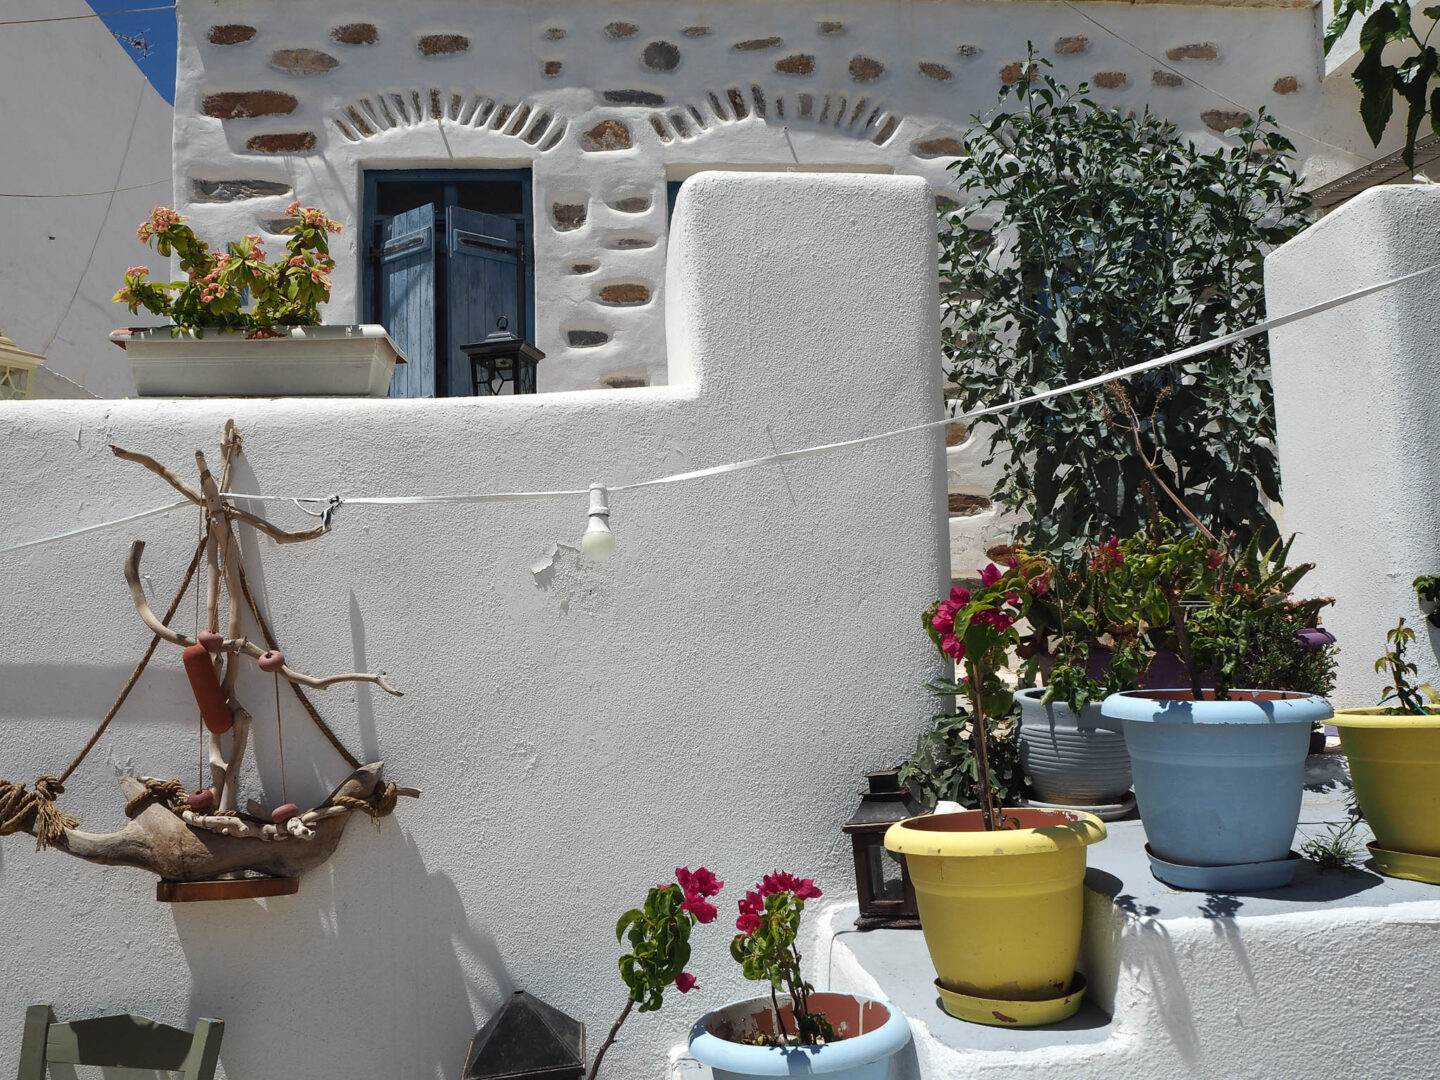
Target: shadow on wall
column 372, row 970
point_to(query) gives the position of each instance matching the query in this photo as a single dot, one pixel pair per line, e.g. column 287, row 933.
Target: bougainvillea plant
column 977, row 630
column 765, row 950
column 235, row 289
column 659, row 937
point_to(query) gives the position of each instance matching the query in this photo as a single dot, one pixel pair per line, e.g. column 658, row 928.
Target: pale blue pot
column 1218, row 783
column 873, row 1033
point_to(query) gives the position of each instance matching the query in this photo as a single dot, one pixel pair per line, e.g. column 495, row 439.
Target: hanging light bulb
column 598, row 543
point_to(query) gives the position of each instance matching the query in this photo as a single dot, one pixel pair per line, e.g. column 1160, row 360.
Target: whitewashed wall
column 80, row 118
column 1357, row 391
column 712, row 694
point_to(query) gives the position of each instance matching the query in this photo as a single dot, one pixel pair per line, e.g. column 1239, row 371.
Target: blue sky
column 158, row 27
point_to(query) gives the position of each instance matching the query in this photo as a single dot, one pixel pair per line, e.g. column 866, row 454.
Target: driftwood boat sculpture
column 203, row 836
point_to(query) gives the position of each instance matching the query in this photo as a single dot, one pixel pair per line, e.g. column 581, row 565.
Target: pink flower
column 748, row 923
column 137, row 271
column 808, row 890
column 944, row 619
column 297, row 260
column 999, row 621
column 684, row 982
column 293, row 209
column 1012, row 598
column 952, row 647
column 990, row 575
column 702, row 909
column 1213, row 559
column 778, row 882
column 959, row 597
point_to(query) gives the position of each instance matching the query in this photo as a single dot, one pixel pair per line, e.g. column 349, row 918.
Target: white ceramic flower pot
column 305, row 361
column 1072, row 760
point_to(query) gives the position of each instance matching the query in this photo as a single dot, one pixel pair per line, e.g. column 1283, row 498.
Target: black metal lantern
column 529, row 1039
column 887, row 898
column 500, row 358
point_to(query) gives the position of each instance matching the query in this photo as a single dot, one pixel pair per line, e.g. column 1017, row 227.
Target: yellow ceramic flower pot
column 1001, row 911
column 1395, row 767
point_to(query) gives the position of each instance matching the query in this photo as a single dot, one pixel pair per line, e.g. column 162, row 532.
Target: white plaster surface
column 711, row 695
column 510, row 43
column 1356, row 393
column 80, row 117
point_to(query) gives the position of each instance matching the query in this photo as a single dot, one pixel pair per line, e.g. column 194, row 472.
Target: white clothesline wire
column 334, row 502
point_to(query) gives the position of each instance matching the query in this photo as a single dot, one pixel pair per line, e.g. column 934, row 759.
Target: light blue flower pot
column 1218, row 783
column 872, row 1032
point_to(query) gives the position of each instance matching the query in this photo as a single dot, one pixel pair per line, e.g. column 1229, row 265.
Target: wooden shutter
column 484, row 282
column 407, row 297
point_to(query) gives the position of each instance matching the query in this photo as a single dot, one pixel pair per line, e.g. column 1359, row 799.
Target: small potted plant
column 1394, row 755
column 268, row 340
column 999, row 889
column 1219, row 764
column 792, row 1029
column 659, row 938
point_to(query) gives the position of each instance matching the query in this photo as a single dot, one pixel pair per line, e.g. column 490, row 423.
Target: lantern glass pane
column 886, row 882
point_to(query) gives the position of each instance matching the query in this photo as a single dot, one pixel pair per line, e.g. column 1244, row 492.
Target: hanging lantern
column 529, row 1039
column 500, row 358
column 887, row 898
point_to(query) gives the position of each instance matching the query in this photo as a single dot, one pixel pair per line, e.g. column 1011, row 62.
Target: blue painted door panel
column 483, row 283
column 407, row 297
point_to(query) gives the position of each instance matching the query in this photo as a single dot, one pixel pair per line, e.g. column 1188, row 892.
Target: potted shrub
column 1218, row 764
column 268, row 340
column 1394, row 755
column 793, row 1028
column 999, row 889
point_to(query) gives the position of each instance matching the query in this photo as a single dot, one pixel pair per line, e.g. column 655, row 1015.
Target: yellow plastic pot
column 1001, row 911
column 1395, row 767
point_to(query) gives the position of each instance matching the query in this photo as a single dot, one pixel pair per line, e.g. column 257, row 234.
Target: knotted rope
column 170, row 794
column 381, row 802
column 18, row 808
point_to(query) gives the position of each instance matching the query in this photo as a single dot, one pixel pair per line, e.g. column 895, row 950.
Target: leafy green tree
column 1085, row 240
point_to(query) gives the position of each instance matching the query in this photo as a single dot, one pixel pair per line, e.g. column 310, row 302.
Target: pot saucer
column 1001, row 1012
column 1104, row 811
column 1405, row 864
column 1237, row 877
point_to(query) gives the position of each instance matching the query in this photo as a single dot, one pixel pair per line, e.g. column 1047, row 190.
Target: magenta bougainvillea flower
column 685, row 982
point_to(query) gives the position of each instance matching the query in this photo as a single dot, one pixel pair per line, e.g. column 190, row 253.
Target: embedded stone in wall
column 357, row 33
column 442, row 44
column 243, row 104
column 1286, row 84
column 286, row 142
column 756, row 44
column 606, row 135
column 230, row 34
column 758, row 96
column 1012, row 71
column 634, row 97
column 361, row 124
column 1068, row 46
column 661, row 131
column 1200, row 50
column 1222, row 120
column 938, row 72
column 630, row 243
column 1166, row 78
column 661, row 56
column 799, row 64
column 1110, row 80
column 303, row 61
column 831, row 27
column 945, row 146
column 554, row 33
column 567, row 216
column 550, row 68
column 886, row 130
column 586, row 339
column 631, row 204
column 737, row 102
column 968, row 51
column 955, row 434
column 963, row 504
column 866, row 69
column 698, row 31
column 584, row 268
column 221, row 191
column 624, row 382
column 807, row 105
column 625, row 294
column 621, row 30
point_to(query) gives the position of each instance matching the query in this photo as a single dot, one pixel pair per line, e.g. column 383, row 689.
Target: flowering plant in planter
column 765, row 950
column 659, row 937
column 976, row 630
column 219, row 284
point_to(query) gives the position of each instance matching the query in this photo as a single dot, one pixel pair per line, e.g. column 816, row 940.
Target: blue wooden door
column 484, row 276
column 407, row 297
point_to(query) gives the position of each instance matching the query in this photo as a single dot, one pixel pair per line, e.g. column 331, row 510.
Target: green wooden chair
column 128, row 1042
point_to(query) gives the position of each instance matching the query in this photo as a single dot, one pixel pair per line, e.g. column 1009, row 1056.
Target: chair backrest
column 130, row 1042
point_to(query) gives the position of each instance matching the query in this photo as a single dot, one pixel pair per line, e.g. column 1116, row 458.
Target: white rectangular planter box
column 306, row 361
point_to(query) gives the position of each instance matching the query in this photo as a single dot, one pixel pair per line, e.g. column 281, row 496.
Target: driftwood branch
column 245, row 645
